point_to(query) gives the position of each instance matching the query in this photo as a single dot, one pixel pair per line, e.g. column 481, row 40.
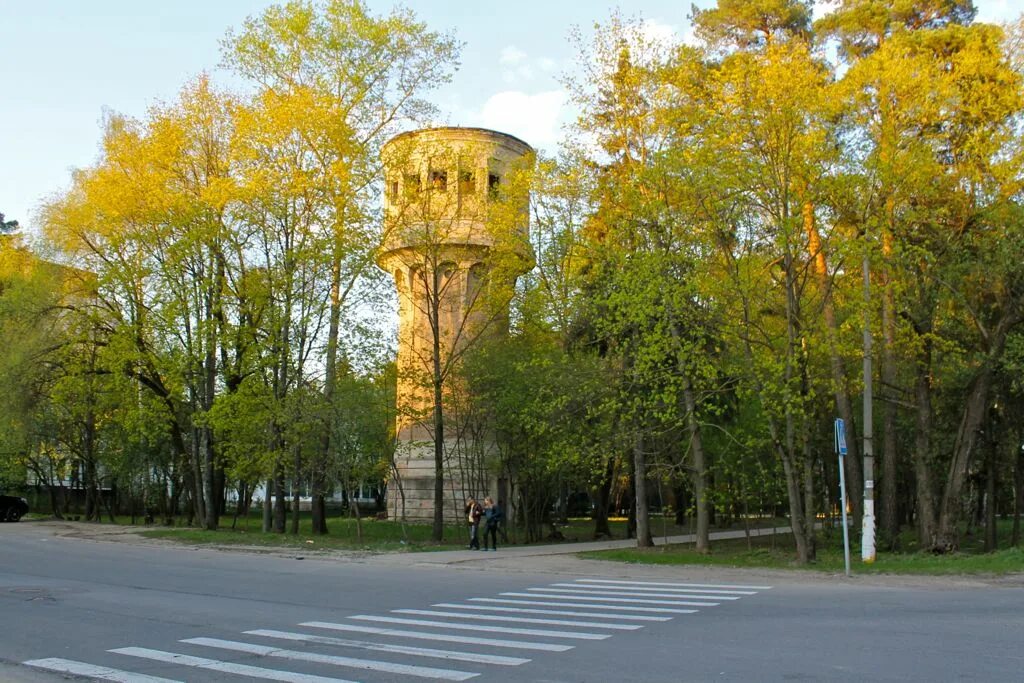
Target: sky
column 66, row 62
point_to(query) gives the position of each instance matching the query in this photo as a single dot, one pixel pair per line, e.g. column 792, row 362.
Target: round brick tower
column 442, row 190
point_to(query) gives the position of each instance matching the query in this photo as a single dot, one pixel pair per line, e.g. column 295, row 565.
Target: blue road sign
column 840, row 436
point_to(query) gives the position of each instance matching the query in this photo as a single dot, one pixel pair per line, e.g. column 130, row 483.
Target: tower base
column 411, row 492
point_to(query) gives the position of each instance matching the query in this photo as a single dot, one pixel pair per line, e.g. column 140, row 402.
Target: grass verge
column 377, row 536
column 779, row 553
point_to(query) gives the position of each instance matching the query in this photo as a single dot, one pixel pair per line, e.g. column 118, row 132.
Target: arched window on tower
column 439, row 180
column 475, row 277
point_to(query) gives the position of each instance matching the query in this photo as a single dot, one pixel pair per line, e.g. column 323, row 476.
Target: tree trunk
column 889, row 524
column 643, row 527
column 974, row 413
column 604, row 492
column 296, row 490
column 679, row 492
column 796, row 518
column 991, row 468
column 703, row 544
column 1018, row 486
column 92, row 503
column 281, row 501
column 810, row 514
column 212, row 519
column 852, row 461
column 198, row 501
column 963, row 448
column 359, row 519
column 437, row 532
column 922, row 448
column 268, row 505
column 319, row 479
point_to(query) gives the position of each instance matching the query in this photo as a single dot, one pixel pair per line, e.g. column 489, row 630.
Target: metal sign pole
column 840, row 442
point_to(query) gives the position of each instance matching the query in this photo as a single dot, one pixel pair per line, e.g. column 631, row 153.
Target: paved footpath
column 572, row 548
column 550, row 558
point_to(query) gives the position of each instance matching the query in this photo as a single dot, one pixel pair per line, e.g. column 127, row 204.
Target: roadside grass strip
column 500, row 660
column 444, row 637
column 225, row 667
column 596, row 599
column 630, row 593
column 556, row 612
column 98, row 673
column 548, row 603
column 518, row 620
column 543, row 633
column 674, row 585
column 334, row 660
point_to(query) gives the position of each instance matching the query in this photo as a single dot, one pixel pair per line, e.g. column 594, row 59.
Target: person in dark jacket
column 473, row 514
column 493, row 515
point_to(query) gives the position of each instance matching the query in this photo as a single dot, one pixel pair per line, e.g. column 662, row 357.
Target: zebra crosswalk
column 510, row 629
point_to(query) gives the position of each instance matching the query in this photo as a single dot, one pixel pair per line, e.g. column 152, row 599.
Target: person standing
column 493, row 515
column 473, row 514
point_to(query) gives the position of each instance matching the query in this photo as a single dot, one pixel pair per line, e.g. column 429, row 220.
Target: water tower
column 443, row 190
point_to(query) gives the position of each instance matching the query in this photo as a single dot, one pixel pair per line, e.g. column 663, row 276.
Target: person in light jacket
column 473, row 514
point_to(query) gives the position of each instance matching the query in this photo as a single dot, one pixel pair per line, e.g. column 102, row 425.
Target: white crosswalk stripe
column 518, row 620
column 594, row 598
column 225, row 667
column 99, row 673
column 656, row 589
column 549, row 603
column 636, row 594
column 334, row 660
column 677, row 585
column 557, row 612
column 479, row 658
column 584, row 609
column 544, row 633
column 444, row 637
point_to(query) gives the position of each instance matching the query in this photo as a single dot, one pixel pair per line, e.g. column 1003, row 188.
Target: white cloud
column 658, row 32
column 512, row 55
column 522, row 72
column 533, row 117
column 518, row 67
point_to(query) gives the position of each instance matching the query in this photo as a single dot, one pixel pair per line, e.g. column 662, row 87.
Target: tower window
column 467, row 183
column 439, row 180
column 412, row 183
column 493, row 181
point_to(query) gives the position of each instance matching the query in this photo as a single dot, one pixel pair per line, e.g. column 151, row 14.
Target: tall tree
column 932, row 98
column 350, row 79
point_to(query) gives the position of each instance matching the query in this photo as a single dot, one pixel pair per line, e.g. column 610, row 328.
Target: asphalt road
column 114, row 609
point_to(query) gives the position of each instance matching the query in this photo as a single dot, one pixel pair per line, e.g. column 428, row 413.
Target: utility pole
column 867, row 538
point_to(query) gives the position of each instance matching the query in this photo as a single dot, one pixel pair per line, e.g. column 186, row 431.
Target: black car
column 12, row 509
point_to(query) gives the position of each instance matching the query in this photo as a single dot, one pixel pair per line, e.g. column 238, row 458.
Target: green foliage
column 752, row 23
column 8, row 225
column 230, row 241
column 693, row 297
